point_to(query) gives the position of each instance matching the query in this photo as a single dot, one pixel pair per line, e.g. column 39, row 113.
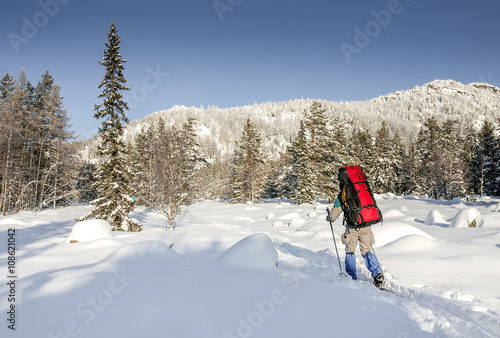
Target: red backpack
column 356, row 198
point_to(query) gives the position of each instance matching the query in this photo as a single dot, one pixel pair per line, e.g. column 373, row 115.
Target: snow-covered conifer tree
column 362, row 150
column 144, row 156
column 440, row 160
column 428, row 150
column 399, row 155
column 114, row 175
column 303, row 173
column 248, row 161
column 334, row 150
column 473, row 159
column 452, row 162
column 6, row 86
column 278, row 183
column 496, row 160
column 190, row 150
column 487, row 150
column 383, row 173
column 85, row 183
column 322, row 149
column 316, row 121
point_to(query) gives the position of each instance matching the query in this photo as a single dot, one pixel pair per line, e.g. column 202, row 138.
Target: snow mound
column 90, row 230
column 270, row 216
column 317, row 224
column 434, row 217
column 464, row 217
column 255, row 252
column 279, row 224
column 392, row 213
column 289, row 216
column 392, row 231
column 11, row 221
column 297, row 222
column 411, row 243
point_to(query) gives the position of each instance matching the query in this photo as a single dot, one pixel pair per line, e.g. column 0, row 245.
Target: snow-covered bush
column 465, row 218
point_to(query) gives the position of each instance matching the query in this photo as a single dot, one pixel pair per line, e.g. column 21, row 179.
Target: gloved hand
column 328, row 218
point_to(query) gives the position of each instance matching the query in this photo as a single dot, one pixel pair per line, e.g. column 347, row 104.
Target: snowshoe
column 379, row 280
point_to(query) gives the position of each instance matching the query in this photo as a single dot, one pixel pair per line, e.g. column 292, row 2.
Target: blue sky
column 236, row 52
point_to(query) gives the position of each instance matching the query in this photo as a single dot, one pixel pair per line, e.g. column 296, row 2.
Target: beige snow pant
column 364, row 236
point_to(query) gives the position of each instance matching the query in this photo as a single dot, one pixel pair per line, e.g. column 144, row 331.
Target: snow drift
column 90, row 230
column 255, row 252
column 465, row 217
column 434, row 218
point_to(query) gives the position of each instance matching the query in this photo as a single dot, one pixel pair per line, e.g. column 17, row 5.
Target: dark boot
column 378, row 280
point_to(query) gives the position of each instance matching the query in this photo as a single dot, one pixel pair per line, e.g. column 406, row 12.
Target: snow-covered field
column 260, row 270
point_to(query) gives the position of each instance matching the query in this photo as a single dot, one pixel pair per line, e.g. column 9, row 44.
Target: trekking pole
column 373, row 250
column 334, row 241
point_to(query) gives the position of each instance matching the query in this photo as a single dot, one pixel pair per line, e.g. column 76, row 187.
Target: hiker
column 356, row 233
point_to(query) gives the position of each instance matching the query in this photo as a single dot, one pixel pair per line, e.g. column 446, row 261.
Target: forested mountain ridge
column 278, row 122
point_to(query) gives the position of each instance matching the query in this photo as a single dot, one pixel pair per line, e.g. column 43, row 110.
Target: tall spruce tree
column 190, row 150
column 302, row 169
column 452, row 162
column 496, row 160
column 428, row 150
column 362, row 149
column 471, row 150
column 6, row 86
column 335, row 153
column 114, row 175
column 383, row 171
column 144, row 156
column 278, row 176
column 487, row 157
column 320, row 147
column 399, row 154
column 248, row 161
column 85, row 183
